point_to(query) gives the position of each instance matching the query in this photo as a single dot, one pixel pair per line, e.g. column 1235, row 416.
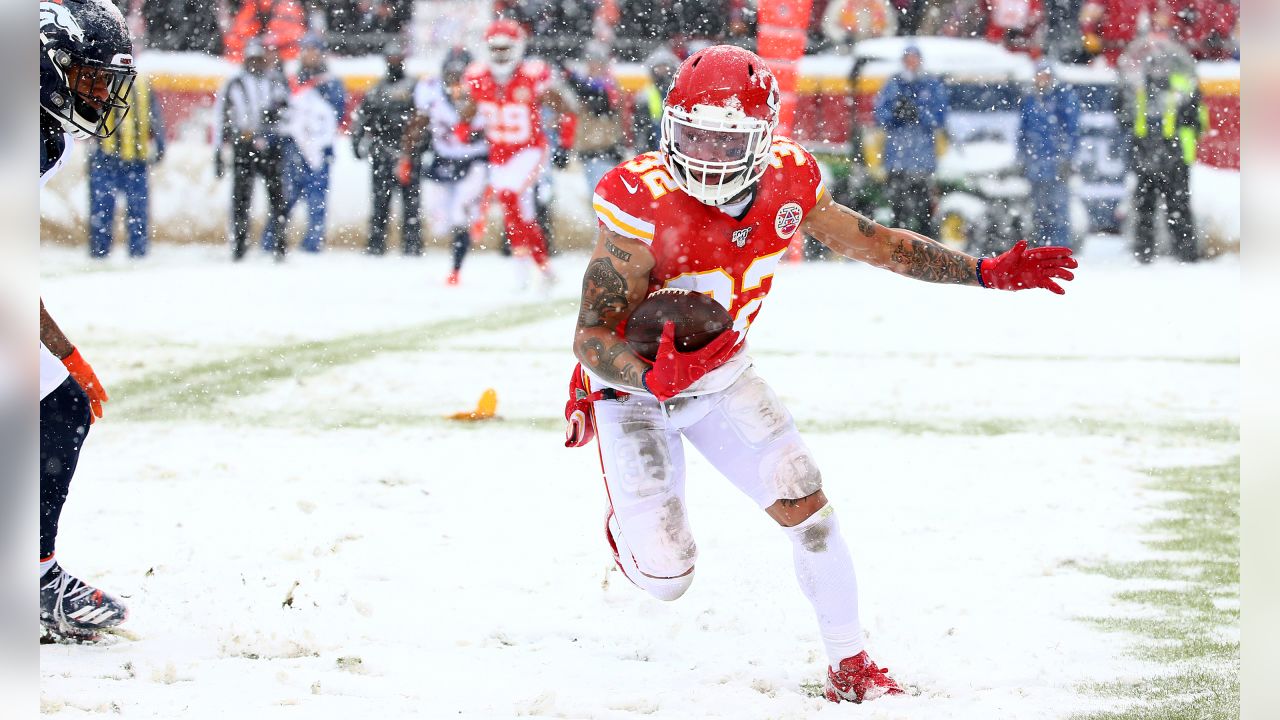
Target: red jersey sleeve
column 538, row 74
column 800, row 171
column 623, row 202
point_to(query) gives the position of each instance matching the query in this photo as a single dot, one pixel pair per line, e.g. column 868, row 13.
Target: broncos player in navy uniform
column 86, row 69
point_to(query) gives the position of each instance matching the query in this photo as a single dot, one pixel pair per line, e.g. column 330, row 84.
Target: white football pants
column 751, row 438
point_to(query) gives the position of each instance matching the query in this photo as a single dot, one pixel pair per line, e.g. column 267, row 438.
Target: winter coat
column 847, row 21
column 1048, row 131
column 912, row 112
column 277, row 23
column 378, row 124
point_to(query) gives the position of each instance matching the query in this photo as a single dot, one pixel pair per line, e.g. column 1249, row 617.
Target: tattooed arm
column 902, row 251
column 616, row 281
column 51, row 335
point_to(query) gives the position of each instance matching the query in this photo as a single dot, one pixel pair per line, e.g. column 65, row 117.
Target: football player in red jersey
column 713, row 211
column 508, row 94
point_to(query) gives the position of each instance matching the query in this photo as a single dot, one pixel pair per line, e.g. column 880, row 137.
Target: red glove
column 568, row 130
column 673, row 371
column 1021, row 269
column 83, row 373
column 402, row 171
column 579, row 412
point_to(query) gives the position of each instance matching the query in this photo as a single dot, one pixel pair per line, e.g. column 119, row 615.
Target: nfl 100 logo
column 740, row 236
column 788, row 220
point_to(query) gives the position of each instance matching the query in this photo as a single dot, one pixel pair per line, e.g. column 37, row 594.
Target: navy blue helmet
column 454, row 65
column 86, row 65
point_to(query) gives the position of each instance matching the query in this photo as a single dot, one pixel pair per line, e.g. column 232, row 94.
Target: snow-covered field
column 300, row 534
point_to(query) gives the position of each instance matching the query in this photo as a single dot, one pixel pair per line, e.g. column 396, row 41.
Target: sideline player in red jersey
column 713, row 211
column 508, row 94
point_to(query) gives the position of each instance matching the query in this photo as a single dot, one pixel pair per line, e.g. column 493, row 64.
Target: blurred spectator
column 1166, row 118
column 278, row 24
column 1108, row 26
column 558, row 29
column 378, row 132
column 1155, row 53
column 912, row 108
column 317, row 103
column 1206, row 27
column 859, row 185
column 646, row 115
column 359, row 27
column 248, row 111
column 687, row 25
column 119, row 165
column 848, row 21
column 457, row 172
column 1016, row 24
column 1048, row 136
column 1062, row 30
column 910, row 14
column 600, row 103
column 181, row 25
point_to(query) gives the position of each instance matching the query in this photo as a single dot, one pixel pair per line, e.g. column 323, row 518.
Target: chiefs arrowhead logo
column 788, row 220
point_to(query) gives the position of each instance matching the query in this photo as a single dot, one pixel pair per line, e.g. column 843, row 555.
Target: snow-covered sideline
column 190, row 205
column 319, row 543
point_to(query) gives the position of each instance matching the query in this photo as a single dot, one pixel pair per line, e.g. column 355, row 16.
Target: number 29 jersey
column 510, row 111
column 702, row 248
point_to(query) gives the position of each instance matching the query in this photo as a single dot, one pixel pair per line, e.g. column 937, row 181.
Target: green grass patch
column 1171, row 433
column 928, row 356
column 1190, row 606
column 190, row 391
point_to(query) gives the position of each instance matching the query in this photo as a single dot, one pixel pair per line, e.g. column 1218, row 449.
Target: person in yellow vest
column 646, row 114
column 1165, row 116
column 118, row 167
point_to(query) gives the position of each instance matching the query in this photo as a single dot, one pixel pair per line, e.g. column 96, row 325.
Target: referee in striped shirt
column 248, row 113
column 118, row 167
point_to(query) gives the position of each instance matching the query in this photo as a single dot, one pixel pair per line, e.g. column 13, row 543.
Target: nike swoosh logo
column 631, row 188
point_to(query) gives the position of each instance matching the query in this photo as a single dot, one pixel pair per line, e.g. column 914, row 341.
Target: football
column 698, row 318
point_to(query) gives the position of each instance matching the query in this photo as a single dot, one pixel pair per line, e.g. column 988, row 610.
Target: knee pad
column 756, row 414
column 792, row 470
column 657, row 558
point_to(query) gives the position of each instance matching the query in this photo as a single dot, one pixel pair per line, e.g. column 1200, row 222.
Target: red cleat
column 859, row 679
column 453, row 278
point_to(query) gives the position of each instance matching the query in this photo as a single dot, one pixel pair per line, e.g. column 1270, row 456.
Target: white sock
column 46, row 564
column 825, row 571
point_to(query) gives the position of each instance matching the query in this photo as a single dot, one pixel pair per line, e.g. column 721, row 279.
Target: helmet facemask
column 504, row 55
column 713, row 153
column 99, row 97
